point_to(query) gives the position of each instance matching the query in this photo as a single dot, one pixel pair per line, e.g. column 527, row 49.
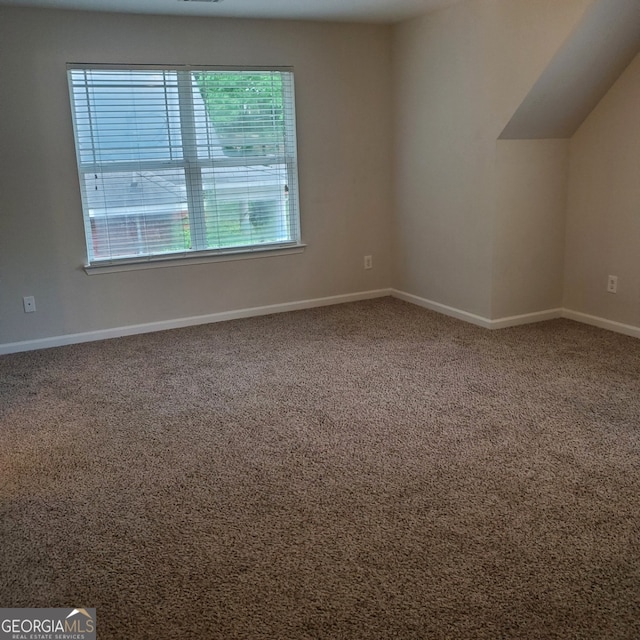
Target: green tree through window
column 244, row 108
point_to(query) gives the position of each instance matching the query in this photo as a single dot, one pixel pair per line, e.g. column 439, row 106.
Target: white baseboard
column 442, row 308
column 527, row 318
column 514, row 321
column 178, row 323
column 602, row 323
column 499, row 323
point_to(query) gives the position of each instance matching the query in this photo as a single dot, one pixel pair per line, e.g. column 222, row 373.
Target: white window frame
column 193, row 166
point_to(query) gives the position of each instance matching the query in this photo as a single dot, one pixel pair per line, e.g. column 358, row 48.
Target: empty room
column 320, row 320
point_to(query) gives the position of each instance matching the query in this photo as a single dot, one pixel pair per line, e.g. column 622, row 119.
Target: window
column 184, row 161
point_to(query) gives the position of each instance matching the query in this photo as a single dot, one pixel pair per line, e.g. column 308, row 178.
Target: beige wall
column 529, row 226
column 603, row 217
column 344, row 138
column 459, row 75
column 477, row 224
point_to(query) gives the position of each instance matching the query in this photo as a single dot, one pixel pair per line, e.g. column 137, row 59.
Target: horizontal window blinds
column 184, row 160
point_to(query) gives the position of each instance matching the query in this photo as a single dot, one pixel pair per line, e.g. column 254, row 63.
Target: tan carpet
column 365, row 471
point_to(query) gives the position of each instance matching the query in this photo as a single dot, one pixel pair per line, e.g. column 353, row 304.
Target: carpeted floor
column 364, row 471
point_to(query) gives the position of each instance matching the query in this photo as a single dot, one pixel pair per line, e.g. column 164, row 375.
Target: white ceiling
column 341, row 10
column 601, row 46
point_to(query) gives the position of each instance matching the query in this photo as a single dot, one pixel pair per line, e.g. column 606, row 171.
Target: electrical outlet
column 368, row 262
column 29, row 303
column 612, row 284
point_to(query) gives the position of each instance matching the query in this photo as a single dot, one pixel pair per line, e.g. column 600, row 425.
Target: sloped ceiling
column 580, row 74
column 385, row 11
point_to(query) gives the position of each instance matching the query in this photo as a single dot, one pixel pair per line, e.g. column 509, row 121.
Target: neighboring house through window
column 181, row 161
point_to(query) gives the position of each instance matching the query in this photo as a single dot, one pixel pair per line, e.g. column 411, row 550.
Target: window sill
column 182, row 260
